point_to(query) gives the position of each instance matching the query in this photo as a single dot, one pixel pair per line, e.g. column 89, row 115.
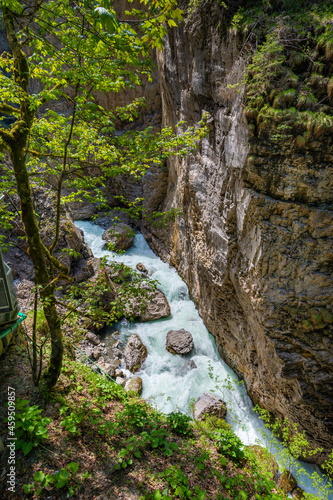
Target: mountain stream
column 169, row 381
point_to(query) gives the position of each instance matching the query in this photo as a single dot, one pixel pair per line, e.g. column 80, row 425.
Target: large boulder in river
column 134, row 384
column 147, row 305
column 121, row 236
column 140, row 267
column 134, row 353
column 209, row 404
column 179, row 341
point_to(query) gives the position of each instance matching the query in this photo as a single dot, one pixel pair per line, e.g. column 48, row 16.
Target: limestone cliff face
column 254, row 242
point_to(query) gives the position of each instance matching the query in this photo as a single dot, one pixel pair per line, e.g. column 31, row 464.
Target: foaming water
column 169, row 381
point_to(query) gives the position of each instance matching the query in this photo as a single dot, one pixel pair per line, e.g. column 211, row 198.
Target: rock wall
column 254, row 241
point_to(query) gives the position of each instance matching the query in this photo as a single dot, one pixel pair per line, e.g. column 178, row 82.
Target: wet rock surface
column 134, row 353
column 121, row 236
column 148, row 306
column 140, row 267
column 179, row 342
column 209, row 404
column 134, row 384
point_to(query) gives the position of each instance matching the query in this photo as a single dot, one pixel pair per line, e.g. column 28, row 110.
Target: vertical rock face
column 254, row 242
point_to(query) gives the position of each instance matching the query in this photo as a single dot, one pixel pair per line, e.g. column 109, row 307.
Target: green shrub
column 229, row 445
column 284, row 99
column 179, row 423
column 30, row 426
column 211, row 424
column 134, row 415
column 58, row 480
column 178, row 487
column 306, row 100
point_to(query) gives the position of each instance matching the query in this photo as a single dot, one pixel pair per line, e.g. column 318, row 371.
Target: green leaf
column 48, row 479
column 107, row 19
column 123, row 452
column 39, row 476
column 27, row 447
column 28, row 487
column 13, row 5
column 73, row 466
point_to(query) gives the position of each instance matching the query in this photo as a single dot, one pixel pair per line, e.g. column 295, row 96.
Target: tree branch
column 63, row 173
column 74, row 310
column 7, row 138
column 6, row 108
column 55, row 261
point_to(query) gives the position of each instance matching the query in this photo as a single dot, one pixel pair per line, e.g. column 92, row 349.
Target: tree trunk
column 15, row 143
column 37, row 255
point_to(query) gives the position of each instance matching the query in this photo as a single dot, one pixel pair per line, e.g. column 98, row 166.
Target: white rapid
column 168, row 381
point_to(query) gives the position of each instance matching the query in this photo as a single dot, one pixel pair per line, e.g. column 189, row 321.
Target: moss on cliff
column 289, row 85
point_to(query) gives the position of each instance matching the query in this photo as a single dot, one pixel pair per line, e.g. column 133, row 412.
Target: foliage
column 72, row 421
column 134, row 414
column 264, row 70
column 58, row 480
column 179, row 423
column 179, row 487
column 7, row 217
column 290, row 445
column 211, row 424
column 30, row 426
column 41, row 323
column 133, row 434
column 195, row 5
column 229, row 445
column 226, row 388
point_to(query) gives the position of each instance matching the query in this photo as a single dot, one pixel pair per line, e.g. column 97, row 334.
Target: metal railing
column 15, row 325
column 88, row 361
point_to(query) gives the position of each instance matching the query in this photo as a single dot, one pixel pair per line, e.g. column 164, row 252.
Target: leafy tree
column 71, row 51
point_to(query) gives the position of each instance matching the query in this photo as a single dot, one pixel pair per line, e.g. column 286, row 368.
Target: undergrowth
column 168, row 455
column 162, row 456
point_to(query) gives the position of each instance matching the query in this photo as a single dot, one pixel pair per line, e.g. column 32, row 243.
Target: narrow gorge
column 166, row 187
column 254, row 241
